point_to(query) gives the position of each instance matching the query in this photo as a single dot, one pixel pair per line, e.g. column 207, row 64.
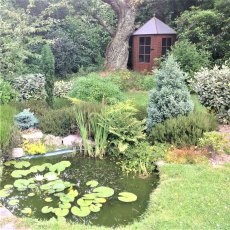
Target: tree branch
column 114, row 4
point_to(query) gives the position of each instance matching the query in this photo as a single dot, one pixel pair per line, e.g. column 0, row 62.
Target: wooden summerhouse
column 151, row 41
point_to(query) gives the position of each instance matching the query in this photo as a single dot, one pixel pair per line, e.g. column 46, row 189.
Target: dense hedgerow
column 94, row 89
column 171, row 97
column 183, row 130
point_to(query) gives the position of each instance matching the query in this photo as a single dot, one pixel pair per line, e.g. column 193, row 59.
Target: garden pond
column 78, row 189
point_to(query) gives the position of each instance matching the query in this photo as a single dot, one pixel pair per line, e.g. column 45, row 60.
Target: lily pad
column 4, row 193
column 67, row 198
column 73, row 192
column 84, row 203
column 81, row 212
column 27, row 211
column 19, row 173
column 92, row 183
column 65, row 205
column 32, row 186
column 22, row 164
column 13, row 202
column 21, row 184
column 61, row 212
column 90, row 196
column 127, row 197
column 99, row 200
column 94, row 208
column 31, row 194
column 9, row 163
column 8, row 186
column 48, row 199
column 103, row 191
column 47, row 209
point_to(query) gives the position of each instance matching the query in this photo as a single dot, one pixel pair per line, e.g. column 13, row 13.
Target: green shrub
column 183, row 130
column 7, row 93
column 62, row 88
column 26, row 120
column 215, row 142
column 213, row 88
column 189, row 57
column 127, row 80
column 59, row 122
column 171, row 97
column 30, row 86
column 95, row 89
column 123, row 128
column 7, row 113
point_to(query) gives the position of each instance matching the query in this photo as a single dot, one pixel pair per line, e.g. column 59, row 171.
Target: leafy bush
column 7, row 113
column 123, row 128
column 7, row 93
column 189, row 57
column 26, row 120
column 139, row 159
column 187, row 156
column 171, row 97
column 34, row 148
column 96, row 90
column 62, row 88
column 127, row 80
column 183, row 130
column 30, row 86
column 215, row 142
column 59, row 122
column 213, row 88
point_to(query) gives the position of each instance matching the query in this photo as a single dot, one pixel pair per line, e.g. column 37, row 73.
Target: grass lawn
column 140, row 98
column 188, row 197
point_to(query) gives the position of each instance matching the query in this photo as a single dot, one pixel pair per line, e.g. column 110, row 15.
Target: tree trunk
column 117, row 52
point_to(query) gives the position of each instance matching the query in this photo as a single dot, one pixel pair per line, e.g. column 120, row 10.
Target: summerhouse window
column 144, row 49
column 166, row 44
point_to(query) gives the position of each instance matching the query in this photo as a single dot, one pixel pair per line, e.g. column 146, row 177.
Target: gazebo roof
column 154, row 26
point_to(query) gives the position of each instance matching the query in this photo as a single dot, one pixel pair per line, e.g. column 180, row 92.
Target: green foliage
column 183, row 130
column 208, row 29
column 59, row 122
column 213, row 89
column 47, row 65
column 171, row 97
column 7, row 93
column 191, row 59
column 7, row 113
column 30, row 86
column 215, row 142
column 26, row 120
column 123, row 128
column 96, row 89
column 62, row 88
column 129, row 80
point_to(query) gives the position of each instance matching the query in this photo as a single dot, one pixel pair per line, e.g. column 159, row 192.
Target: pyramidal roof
column 154, row 26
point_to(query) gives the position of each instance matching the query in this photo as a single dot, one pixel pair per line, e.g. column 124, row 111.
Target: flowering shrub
column 213, row 88
column 34, row 148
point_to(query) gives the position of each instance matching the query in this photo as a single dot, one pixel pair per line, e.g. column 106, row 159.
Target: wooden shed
column 150, row 41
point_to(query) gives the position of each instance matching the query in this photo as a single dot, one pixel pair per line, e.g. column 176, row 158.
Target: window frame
column 144, row 56
column 167, row 46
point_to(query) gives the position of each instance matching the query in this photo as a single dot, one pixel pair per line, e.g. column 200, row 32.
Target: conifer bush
column 171, row 97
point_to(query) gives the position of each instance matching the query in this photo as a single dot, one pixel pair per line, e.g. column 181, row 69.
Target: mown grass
column 188, row 197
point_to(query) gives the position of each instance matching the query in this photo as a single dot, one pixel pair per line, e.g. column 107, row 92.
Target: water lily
column 39, row 177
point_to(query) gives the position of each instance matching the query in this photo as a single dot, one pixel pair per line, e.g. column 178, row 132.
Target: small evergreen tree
column 171, row 97
column 48, row 68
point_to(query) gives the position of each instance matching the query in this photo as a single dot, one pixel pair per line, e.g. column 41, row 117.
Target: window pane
column 142, row 41
column 147, row 41
column 164, row 49
column 164, row 42
column 147, row 49
column 147, row 58
column 141, row 49
column 141, row 58
column 169, row 42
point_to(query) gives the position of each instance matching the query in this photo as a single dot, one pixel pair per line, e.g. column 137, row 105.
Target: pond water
column 106, row 172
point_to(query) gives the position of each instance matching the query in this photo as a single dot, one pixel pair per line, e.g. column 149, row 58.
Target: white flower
column 39, row 177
